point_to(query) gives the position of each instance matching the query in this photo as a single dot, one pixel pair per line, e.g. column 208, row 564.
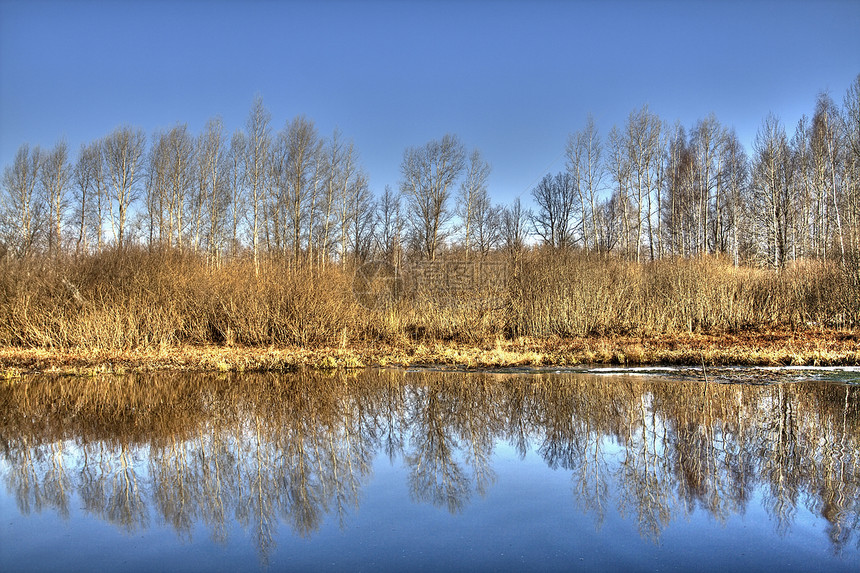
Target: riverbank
column 819, row 348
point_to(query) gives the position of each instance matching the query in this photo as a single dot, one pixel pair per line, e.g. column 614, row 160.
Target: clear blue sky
column 511, row 78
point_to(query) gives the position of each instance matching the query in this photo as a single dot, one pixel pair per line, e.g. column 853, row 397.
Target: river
column 427, row 470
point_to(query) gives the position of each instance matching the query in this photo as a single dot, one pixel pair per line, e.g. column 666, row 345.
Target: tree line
column 647, row 190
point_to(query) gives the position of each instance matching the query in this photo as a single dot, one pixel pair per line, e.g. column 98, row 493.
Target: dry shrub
column 136, row 299
column 568, row 294
column 577, row 294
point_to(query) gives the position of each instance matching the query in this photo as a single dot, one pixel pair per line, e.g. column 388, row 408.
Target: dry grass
column 775, row 348
column 137, row 310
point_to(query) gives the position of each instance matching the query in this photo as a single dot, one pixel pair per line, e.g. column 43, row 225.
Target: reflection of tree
column 125, row 503
column 838, row 473
column 296, row 448
column 303, row 502
column 435, row 476
column 780, row 467
column 644, row 473
column 703, row 455
column 392, row 422
column 93, row 470
column 57, row 483
column 738, row 457
column 24, row 477
column 261, row 483
column 561, row 437
column 216, row 481
column 477, row 423
column 590, row 475
column 515, row 408
column 173, row 484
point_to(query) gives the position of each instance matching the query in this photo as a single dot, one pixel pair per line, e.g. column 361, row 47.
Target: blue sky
column 510, row 78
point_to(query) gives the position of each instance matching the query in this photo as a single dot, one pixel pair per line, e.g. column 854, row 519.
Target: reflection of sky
column 528, row 516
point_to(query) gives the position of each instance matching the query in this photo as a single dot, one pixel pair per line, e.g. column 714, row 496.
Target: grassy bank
column 167, row 310
column 773, row 349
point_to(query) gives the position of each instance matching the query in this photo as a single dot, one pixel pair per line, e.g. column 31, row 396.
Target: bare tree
column 56, row 175
column 236, row 178
column 643, row 141
column 584, row 163
column 333, row 161
column 346, row 177
column 619, row 168
column 214, row 195
column 473, row 190
column 180, row 176
column 851, row 169
column 316, row 186
column 556, row 200
column 825, row 158
column 156, row 190
column 103, row 194
column 771, row 171
column 123, row 151
column 514, row 229
column 428, row 175
column 390, row 226
column 362, row 219
column 19, row 199
column 704, row 143
column 677, row 193
column 487, row 225
column 257, row 150
column 804, row 229
column 302, row 142
column 736, row 176
column 85, row 176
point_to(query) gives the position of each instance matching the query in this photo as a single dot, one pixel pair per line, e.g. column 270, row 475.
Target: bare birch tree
column 473, row 190
column 487, row 225
column 302, row 142
column 850, row 122
column 85, row 175
column 157, row 194
column 56, row 175
column 771, row 191
column 236, row 177
column 618, row 167
column 180, row 175
column 332, row 173
column 214, row 195
column 123, row 152
column 584, row 163
column 736, row 181
column 20, row 185
column 643, row 140
column 257, row 149
column 390, row 226
column 825, row 156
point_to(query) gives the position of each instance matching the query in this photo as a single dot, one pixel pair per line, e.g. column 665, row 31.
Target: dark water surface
column 392, row 470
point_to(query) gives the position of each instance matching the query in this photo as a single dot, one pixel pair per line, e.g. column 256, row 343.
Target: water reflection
column 264, row 450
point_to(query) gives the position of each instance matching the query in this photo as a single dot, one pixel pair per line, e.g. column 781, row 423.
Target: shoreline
column 781, row 348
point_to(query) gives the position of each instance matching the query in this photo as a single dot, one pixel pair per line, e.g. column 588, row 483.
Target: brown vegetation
column 170, row 309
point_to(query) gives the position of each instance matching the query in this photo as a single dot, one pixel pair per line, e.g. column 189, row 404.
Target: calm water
column 393, row 470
